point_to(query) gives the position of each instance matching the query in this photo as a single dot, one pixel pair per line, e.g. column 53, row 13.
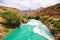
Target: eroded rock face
column 24, row 20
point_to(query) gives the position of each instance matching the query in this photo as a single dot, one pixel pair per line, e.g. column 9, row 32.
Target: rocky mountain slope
column 52, row 11
column 3, row 8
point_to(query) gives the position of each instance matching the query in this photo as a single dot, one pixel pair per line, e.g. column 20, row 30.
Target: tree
column 30, row 17
column 12, row 18
column 37, row 17
column 57, row 26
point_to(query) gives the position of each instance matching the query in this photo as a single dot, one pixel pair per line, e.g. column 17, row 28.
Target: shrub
column 37, row 17
column 57, row 26
column 12, row 18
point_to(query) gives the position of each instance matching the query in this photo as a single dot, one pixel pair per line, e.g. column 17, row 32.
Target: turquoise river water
column 33, row 30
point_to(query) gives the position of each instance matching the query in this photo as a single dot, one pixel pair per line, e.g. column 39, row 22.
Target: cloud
column 28, row 4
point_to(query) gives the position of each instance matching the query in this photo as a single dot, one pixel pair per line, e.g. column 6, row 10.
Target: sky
column 28, row 4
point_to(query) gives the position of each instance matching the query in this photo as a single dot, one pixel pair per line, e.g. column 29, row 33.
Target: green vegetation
column 49, row 17
column 12, row 18
column 53, row 25
column 56, row 27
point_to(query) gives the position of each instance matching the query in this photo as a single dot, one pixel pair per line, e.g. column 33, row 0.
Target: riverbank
column 4, row 31
column 53, row 24
column 47, row 21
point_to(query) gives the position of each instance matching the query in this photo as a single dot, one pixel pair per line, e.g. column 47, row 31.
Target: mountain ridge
column 3, row 8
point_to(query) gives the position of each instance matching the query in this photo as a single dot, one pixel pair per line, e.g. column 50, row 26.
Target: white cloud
column 27, row 4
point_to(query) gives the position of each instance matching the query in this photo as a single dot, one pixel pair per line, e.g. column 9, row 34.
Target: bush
column 37, row 17
column 57, row 26
column 30, row 17
column 12, row 18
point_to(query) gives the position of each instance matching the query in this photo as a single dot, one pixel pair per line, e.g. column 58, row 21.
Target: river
column 33, row 30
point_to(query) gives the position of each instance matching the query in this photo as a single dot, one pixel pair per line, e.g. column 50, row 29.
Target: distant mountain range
column 55, row 9
column 52, row 10
column 31, row 12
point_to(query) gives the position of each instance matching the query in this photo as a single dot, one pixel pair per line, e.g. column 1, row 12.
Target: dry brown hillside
column 3, row 8
column 52, row 11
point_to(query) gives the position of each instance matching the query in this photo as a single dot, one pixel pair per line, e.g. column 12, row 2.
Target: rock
column 24, row 20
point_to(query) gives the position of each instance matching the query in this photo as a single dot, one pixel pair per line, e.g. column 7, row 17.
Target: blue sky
column 28, row 4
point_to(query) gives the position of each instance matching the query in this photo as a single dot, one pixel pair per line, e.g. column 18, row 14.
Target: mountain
column 52, row 11
column 31, row 12
column 3, row 8
column 55, row 9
